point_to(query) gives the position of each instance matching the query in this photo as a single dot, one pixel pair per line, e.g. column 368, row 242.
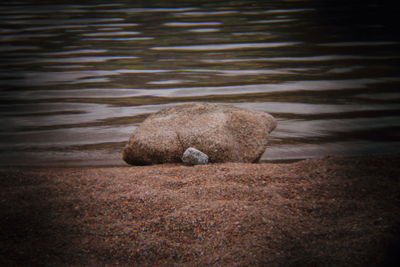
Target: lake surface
column 76, row 78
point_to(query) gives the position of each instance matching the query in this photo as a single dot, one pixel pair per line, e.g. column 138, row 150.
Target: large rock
column 224, row 132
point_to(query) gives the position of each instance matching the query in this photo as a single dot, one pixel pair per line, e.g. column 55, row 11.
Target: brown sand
column 319, row 212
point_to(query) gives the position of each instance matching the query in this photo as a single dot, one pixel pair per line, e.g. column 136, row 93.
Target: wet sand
column 316, row 212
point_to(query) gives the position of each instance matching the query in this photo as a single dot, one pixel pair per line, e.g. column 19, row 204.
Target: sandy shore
column 317, row 212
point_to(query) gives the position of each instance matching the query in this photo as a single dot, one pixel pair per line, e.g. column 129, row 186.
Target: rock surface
column 315, row 212
column 224, row 132
column 192, row 156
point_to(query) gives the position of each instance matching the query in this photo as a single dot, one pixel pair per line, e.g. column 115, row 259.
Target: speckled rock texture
column 341, row 212
column 225, row 133
column 192, row 156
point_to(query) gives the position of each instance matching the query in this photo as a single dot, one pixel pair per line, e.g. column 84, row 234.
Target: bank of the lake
column 316, row 212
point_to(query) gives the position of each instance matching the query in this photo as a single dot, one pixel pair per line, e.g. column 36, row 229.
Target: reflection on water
column 77, row 78
column 218, row 47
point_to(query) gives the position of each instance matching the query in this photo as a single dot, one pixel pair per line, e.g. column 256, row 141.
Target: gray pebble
column 192, row 156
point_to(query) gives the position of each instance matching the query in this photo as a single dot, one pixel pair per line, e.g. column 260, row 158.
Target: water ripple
column 301, row 59
column 229, row 46
column 205, row 13
column 192, row 24
column 117, row 33
column 357, row 44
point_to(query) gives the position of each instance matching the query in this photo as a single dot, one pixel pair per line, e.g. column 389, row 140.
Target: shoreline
column 327, row 211
column 119, row 163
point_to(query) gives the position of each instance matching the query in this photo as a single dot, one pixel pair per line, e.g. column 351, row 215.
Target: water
column 76, row 78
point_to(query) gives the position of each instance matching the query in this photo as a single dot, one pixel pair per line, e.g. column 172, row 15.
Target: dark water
column 76, row 78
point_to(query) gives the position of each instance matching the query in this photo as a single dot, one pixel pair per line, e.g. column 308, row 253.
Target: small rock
column 192, row 156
